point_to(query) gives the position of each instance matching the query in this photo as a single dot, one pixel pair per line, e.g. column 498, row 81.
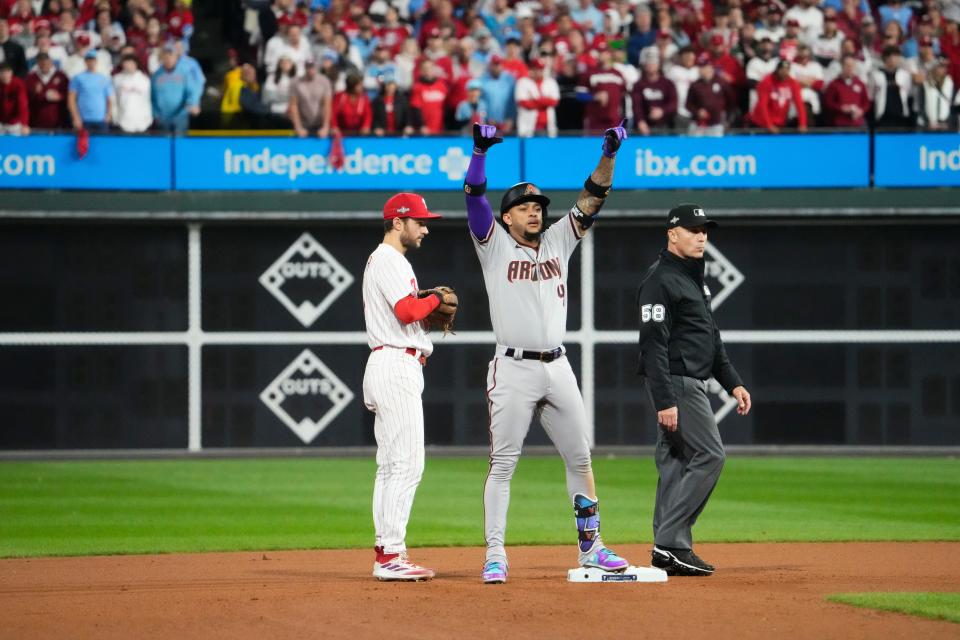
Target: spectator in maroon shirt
column 710, row 101
column 850, row 18
column 775, row 95
column 352, row 112
column 47, row 89
column 846, row 100
column 654, row 97
column 950, row 45
column 605, row 89
column 14, row 106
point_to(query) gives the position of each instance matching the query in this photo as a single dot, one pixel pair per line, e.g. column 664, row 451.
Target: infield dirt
column 759, row 590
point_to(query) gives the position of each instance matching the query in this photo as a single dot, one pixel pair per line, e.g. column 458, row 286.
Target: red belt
column 410, row 351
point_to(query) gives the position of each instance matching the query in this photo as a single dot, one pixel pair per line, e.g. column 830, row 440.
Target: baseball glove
column 442, row 317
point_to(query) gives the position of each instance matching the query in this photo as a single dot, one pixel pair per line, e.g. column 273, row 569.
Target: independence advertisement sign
column 112, row 162
column 917, row 160
column 738, row 162
column 302, row 164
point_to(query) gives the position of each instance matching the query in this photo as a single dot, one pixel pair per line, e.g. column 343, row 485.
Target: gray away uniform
column 527, row 289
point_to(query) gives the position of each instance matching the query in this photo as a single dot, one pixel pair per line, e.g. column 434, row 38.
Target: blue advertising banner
column 731, row 162
column 112, row 162
column 916, row 160
column 301, row 164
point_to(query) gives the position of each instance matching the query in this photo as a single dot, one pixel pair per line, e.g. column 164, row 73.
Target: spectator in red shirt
column 537, row 96
column 846, row 98
column 513, row 59
column 14, row 106
column 393, row 32
column 47, row 89
column 21, row 17
column 427, row 98
column 775, row 95
column 352, row 111
column 180, row 22
column 605, row 89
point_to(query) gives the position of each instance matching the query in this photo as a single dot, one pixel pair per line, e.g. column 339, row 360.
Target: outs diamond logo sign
column 721, row 272
column 306, row 279
column 722, row 402
column 307, row 396
column 723, row 279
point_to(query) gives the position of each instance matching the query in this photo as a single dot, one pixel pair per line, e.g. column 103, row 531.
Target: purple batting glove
column 613, row 138
column 484, row 137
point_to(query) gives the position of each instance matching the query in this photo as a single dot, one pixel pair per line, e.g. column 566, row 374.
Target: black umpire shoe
column 680, row 562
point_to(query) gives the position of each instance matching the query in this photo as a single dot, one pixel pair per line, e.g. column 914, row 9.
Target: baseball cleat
column 494, row 572
column 397, row 567
column 680, row 562
column 603, row 558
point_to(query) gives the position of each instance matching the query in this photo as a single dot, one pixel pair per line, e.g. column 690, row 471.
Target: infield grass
column 78, row 508
column 939, row 606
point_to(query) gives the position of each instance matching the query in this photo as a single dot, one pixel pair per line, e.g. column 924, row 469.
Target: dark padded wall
column 133, row 278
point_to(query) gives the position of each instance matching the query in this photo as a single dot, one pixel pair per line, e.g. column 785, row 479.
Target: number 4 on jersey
column 654, row 312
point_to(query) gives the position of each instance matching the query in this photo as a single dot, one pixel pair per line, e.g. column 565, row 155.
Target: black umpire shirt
column 678, row 335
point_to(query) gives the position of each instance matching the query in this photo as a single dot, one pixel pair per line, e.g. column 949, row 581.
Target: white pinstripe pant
column 392, row 389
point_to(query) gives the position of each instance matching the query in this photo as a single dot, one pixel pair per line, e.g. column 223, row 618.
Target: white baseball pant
column 392, row 389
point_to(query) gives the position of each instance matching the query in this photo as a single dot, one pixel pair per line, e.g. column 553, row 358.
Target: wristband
column 595, row 189
column 584, row 220
column 475, row 189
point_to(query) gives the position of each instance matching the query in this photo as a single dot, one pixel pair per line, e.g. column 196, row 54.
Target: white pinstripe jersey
column 387, row 278
column 527, row 287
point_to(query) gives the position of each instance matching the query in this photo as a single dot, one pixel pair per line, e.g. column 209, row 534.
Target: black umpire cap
column 689, row 216
column 523, row 192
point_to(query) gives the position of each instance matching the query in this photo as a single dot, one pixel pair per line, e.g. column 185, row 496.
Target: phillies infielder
column 393, row 379
column 525, row 271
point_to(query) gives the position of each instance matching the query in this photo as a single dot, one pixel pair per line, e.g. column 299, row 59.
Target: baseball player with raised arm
column 525, row 272
column 393, row 379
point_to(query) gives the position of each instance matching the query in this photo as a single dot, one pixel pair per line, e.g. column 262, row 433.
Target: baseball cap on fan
column 689, row 216
column 407, row 205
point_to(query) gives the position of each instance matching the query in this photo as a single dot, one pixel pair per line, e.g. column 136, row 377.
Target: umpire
column 680, row 349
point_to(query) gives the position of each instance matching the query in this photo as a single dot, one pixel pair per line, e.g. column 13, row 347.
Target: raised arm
column 597, row 187
column 479, row 212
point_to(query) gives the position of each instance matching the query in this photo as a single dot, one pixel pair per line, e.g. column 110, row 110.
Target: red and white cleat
column 396, row 566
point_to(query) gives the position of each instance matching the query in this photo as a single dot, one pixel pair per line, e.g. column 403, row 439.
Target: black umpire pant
column 689, row 461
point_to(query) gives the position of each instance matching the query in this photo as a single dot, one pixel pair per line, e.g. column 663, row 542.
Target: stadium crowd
column 421, row 67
